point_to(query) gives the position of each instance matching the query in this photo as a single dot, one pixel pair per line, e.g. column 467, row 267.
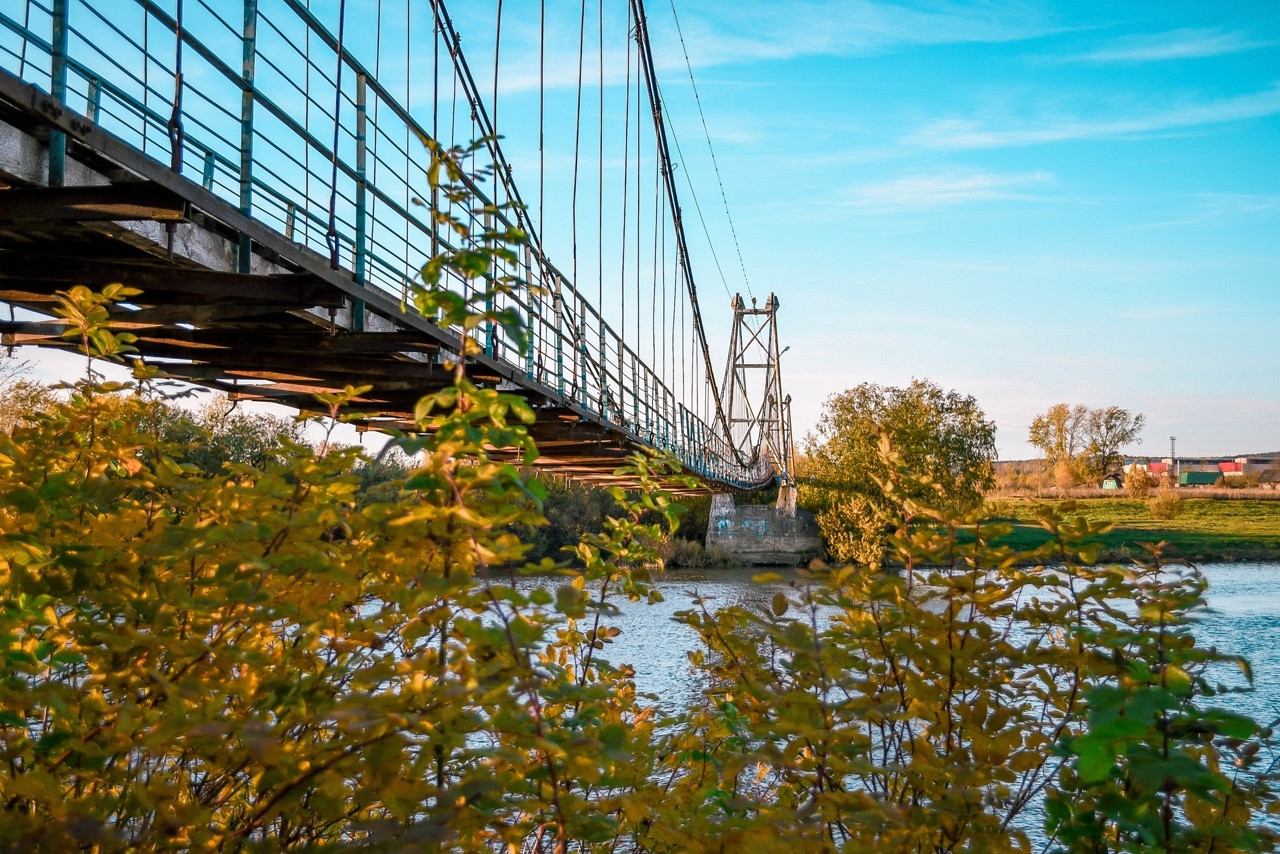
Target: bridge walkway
column 290, row 328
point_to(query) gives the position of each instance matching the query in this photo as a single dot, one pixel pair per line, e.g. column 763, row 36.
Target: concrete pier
column 764, row 536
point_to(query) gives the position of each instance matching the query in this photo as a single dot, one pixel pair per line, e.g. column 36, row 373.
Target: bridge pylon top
column 758, row 413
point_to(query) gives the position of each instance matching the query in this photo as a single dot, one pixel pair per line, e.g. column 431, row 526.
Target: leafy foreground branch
column 253, row 659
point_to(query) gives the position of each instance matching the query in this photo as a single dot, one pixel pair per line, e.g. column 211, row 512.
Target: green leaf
column 1095, row 760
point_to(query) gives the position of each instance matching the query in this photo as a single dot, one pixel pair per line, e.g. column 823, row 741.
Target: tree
column 1060, row 432
column 569, row 509
column 1137, row 482
column 196, row 661
column 934, row 710
column 942, row 437
column 21, row 397
column 1107, row 431
column 1079, row 442
column 217, row 433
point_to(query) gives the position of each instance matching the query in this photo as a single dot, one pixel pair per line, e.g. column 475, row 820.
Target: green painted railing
column 260, row 83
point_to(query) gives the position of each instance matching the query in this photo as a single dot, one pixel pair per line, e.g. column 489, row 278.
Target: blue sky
column 1030, row 203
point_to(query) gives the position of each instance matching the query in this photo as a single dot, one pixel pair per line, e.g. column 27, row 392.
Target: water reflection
column 1243, row 619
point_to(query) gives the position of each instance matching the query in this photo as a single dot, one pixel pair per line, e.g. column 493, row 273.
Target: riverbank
column 1205, row 530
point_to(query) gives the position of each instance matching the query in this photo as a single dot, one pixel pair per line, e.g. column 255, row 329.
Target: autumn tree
column 1137, row 482
column 216, row 432
column 1080, row 442
column 1108, row 430
column 21, row 397
column 197, row 661
column 943, row 437
column 1059, row 433
column 261, row 662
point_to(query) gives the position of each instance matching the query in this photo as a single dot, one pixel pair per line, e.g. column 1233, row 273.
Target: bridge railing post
column 680, row 443
column 559, row 333
column 535, row 310
column 635, row 393
column 249, row 56
column 93, row 101
column 604, row 367
column 490, row 332
column 583, row 399
column 206, row 176
column 648, row 408
column 696, row 438
column 58, row 89
column 666, row 423
column 361, row 250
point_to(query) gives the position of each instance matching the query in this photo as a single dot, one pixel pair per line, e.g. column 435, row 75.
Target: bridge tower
column 759, row 415
column 759, row 423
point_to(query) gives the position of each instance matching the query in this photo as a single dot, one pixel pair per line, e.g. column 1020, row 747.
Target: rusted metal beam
column 110, row 203
column 211, row 313
column 298, row 289
column 315, row 343
column 406, row 380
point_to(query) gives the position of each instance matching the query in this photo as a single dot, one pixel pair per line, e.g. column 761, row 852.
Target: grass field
column 1205, row 531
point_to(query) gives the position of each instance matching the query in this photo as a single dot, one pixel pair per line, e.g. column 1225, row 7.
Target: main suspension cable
column 600, row 181
column 497, row 53
column 664, row 159
column 577, row 140
column 626, row 173
column 331, row 236
column 176, row 134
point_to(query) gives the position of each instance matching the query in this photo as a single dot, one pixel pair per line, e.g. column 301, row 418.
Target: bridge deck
column 290, row 328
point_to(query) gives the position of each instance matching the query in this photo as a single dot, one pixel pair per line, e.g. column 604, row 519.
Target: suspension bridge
column 257, row 169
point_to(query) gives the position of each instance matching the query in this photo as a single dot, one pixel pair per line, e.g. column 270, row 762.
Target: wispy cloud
column 770, row 30
column 968, row 133
column 717, row 34
column 940, row 189
column 1172, row 45
column 1170, row 312
column 1212, row 206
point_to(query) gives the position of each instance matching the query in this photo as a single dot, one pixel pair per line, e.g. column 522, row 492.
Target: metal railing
column 258, row 95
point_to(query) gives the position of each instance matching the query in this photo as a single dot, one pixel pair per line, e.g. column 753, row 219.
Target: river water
column 1243, row 618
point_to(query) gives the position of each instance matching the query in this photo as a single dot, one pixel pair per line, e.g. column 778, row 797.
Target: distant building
column 1199, row 479
column 1115, row 480
column 1269, row 479
column 1257, row 465
column 1231, row 469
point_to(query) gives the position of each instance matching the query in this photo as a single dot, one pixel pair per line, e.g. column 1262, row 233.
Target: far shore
column 1207, row 529
column 1053, row 493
